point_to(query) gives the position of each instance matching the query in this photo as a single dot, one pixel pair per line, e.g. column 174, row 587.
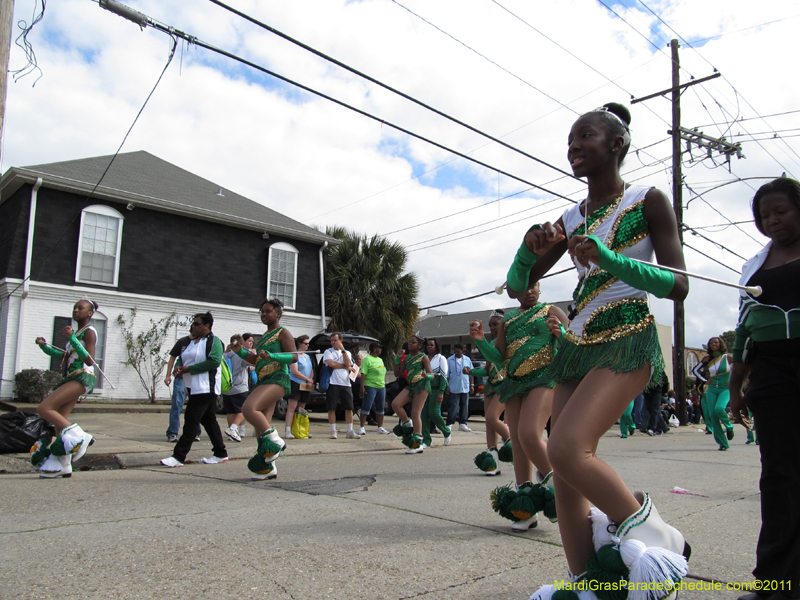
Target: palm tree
column 367, row 290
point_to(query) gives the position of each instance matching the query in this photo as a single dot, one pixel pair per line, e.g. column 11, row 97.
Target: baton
column 94, row 364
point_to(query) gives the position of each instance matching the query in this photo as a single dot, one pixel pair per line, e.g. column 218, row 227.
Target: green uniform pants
column 626, row 425
column 432, row 413
column 714, row 403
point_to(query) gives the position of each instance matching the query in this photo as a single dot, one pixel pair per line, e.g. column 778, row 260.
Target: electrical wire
column 717, row 244
column 22, row 41
column 711, row 258
column 105, row 172
column 388, row 87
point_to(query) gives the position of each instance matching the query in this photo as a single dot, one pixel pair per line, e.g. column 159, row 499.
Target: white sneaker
column 241, row 431
column 463, row 427
column 171, row 462
column 382, row 431
column 288, row 435
column 424, row 445
column 417, row 450
column 448, row 439
column 272, row 474
column 334, row 434
column 352, row 435
column 526, row 524
column 233, row 433
column 362, row 431
column 214, row 460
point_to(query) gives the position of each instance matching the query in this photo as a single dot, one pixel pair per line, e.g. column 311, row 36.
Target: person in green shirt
column 373, row 387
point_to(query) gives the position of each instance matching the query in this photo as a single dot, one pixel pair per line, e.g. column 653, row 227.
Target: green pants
column 714, row 403
column 626, row 425
column 432, row 413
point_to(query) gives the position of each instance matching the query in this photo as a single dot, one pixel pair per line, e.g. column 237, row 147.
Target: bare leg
column 260, row 404
column 534, row 412
column 417, row 404
column 57, row 407
column 582, row 413
column 398, row 403
column 523, row 468
column 290, row 408
column 493, row 409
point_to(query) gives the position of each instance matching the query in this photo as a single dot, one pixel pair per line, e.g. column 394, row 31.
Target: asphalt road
column 349, row 519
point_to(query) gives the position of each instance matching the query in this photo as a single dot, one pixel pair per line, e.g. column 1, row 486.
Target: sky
column 517, row 70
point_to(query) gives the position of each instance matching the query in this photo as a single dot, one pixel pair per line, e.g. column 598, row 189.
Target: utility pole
column 679, row 133
column 6, row 19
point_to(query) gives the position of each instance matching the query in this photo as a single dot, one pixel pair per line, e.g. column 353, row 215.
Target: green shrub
column 33, row 385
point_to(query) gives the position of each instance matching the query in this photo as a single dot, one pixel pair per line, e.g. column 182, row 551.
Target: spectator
column 339, row 388
column 178, row 390
column 240, row 388
column 201, row 360
column 373, row 388
column 301, row 375
column 459, row 387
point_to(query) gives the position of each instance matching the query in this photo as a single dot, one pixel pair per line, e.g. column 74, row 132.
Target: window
column 98, row 247
column 691, row 361
column 282, row 274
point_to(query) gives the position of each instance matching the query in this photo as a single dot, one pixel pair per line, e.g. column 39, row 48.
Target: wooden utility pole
column 678, row 358
column 6, row 19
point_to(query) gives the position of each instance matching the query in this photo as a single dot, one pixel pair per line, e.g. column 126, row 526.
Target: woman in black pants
column 767, row 347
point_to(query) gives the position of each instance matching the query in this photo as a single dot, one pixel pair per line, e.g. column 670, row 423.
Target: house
column 154, row 237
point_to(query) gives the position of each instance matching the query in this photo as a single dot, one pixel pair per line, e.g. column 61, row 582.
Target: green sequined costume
column 495, row 378
column 529, row 351
column 417, row 375
column 76, row 369
column 271, row 371
column 611, row 326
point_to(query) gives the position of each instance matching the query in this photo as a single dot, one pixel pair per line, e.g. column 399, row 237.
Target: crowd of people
column 582, row 372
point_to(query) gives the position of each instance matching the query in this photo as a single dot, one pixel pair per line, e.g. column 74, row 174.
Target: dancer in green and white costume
column 716, row 396
column 525, row 346
column 71, row 441
column 274, row 353
column 432, row 411
column 418, row 368
column 488, row 461
column 609, row 355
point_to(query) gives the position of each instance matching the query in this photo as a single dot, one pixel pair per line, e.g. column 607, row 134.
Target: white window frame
column 286, row 248
column 107, row 211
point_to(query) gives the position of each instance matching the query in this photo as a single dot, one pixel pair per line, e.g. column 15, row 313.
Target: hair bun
column 620, row 110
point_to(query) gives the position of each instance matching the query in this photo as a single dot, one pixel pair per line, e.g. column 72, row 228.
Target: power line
column 717, row 244
column 712, row 259
column 386, row 86
column 780, row 114
column 143, row 20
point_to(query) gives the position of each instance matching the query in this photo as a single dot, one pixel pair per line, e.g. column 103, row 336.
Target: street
column 349, row 519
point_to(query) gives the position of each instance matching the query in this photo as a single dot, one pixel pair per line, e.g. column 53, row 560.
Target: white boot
column 73, row 440
column 546, row 481
column 526, row 524
column 271, row 473
column 654, row 551
column 493, row 452
column 52, row 467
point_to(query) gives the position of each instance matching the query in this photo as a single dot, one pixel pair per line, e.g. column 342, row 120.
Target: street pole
column 678, row 360
column 6, row 19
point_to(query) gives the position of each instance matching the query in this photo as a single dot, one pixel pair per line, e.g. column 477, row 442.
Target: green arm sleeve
column 480, row 373
column 520, row 270
column 489, row 352
column 54, row 352
column 76, row 346
column 212, row 362
column 658, row 282
column 397, row 359
column 242, row 353
column 283, row 358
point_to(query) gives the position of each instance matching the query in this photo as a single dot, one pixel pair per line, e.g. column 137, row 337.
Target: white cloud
column 305, row 156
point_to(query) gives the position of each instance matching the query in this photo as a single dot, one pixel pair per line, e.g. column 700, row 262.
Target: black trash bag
column 20, row 430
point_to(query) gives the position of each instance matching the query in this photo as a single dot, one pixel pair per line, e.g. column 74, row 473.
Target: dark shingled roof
column 150, row 182
column 458, row 324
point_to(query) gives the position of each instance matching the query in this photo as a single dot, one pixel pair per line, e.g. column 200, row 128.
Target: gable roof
column 458, row 324
column 147, row 181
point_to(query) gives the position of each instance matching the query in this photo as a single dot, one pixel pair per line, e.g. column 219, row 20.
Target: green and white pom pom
column 485, row 461
column 505, row 453
column 39, row 452
column 266, row 447
column 501, row 498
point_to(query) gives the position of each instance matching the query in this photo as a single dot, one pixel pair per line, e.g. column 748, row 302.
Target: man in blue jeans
column 178, row 391
column 459, row 387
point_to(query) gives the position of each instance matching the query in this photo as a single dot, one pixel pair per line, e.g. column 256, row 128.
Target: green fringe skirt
column 423, row 385
column 520, row 387
column 573, row 362
column 86, row 379
column 490, row 389
column 278, row 378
